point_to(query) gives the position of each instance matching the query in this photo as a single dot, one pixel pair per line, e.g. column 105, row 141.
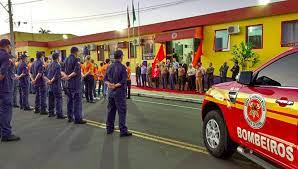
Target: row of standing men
column 48, row 80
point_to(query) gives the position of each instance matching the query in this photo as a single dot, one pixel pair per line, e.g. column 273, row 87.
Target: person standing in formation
column 199, row 78
column 53, row 79
column 6, row 80
column 116, row 80
column 23, row 77
column 72, row 74
column 37, row 78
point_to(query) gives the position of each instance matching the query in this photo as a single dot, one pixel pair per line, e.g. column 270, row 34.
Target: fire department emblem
column 255, row 111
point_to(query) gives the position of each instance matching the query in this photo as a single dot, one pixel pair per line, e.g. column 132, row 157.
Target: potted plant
column 245, row 55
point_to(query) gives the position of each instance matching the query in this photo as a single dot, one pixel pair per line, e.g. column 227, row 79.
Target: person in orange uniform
column 100, row 76
column 88, row 76
column 128, row 69
column 95, row 79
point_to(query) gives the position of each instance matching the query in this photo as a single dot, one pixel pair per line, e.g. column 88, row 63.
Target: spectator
column 95, row 78
column 191, row 74
column 149, row 76
column 235, row 70
column 172, row 72
column 164, row 76
column 199, row 78
column 181, row 74
column 100, row 76
column 128, row 79
column 156, row 75
column 210, row 76
column 176, row 66
column 143, row 74
column 138, row 75
column 223, row 72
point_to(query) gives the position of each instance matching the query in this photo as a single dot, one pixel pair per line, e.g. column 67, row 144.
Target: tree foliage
column 245, row 55
column 44, row 31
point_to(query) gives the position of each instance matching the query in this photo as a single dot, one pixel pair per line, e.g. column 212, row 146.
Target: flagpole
column 128, row 34
column 139, row 23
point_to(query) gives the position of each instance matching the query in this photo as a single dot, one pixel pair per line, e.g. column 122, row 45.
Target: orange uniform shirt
column 100, row 73
column 104, row 69
column 128, row 69
column 88, row 67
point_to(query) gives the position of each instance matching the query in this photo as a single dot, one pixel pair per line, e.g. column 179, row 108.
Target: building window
column 254, row 36
column 100, row 53
column 132, row 50
column 222, row 40
column 148, row 49
column 63, row 55
column 289, row 33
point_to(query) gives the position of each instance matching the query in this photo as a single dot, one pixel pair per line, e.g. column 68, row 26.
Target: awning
column 179, row 34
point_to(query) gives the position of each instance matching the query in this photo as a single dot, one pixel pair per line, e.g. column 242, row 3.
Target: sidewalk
column 168, row 95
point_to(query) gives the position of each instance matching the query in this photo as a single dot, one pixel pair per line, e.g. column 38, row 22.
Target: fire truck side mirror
column 245, row 77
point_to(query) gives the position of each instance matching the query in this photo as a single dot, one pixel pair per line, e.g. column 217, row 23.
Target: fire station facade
column 271, row 29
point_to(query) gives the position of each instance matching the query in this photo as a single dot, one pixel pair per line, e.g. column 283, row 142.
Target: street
column 167, row 135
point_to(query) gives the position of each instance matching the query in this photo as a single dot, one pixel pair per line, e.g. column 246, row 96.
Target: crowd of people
column 176, row 76
column 48, row 78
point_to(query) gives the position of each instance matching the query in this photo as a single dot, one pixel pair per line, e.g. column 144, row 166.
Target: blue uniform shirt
column 117, row 73
column 6, row 69
column 54, row 71
column 38, row 67
column 71, row 65
column 23, row 68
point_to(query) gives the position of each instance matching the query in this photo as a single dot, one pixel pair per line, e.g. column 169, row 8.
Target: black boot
column 36, row 111
column 44, row 112
column 10, row 138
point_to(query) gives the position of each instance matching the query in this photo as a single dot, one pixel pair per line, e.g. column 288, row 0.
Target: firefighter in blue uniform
column 6, row 84
column 37, row 78
column 23, row 77
column 53, row 79
column 72, row 74
column 115, row 79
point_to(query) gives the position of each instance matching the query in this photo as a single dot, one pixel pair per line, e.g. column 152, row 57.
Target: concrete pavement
column 167, row 135
column 192, row 98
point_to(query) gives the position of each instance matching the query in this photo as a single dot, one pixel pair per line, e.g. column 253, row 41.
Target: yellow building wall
column 93, row 54
column 31, row 51
column 23, row 36
column 271, row 40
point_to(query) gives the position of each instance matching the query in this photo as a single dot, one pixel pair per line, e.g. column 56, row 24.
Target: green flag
column 134, row 18
column 128, row 18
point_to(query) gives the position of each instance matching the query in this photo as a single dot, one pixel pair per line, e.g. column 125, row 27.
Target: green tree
column 44, row 31
column 245, row 55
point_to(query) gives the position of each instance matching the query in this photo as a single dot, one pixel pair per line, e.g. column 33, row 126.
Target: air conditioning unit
column 136, row 41
column 234, row 29
column 92, row 47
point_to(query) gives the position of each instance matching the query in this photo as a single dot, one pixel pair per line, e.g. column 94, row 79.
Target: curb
column 156, row 96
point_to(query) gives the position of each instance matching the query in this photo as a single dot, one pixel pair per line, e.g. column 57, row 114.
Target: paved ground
column 167, row 135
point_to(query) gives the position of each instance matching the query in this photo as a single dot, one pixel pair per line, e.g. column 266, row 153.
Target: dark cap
column 74, row 50
column 118, row 54
column 55, row 56
column 23, row 56
column 4, row 42
column 39, row 54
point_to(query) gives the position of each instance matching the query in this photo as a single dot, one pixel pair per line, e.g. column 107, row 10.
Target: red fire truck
column 257, row 115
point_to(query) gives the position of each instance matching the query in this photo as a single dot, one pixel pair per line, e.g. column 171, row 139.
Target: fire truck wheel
column 216, row 137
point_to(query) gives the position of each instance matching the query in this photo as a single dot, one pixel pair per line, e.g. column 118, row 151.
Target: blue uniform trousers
column 55, row 101
column 117, row 103
column 5, row 114
column 40, row 97
column 172, row 81
column 74, row 105
column 24, row 94
column 15, row 91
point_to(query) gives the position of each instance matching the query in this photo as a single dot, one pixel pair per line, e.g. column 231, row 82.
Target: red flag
column 198, row 54
column 160, row 56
